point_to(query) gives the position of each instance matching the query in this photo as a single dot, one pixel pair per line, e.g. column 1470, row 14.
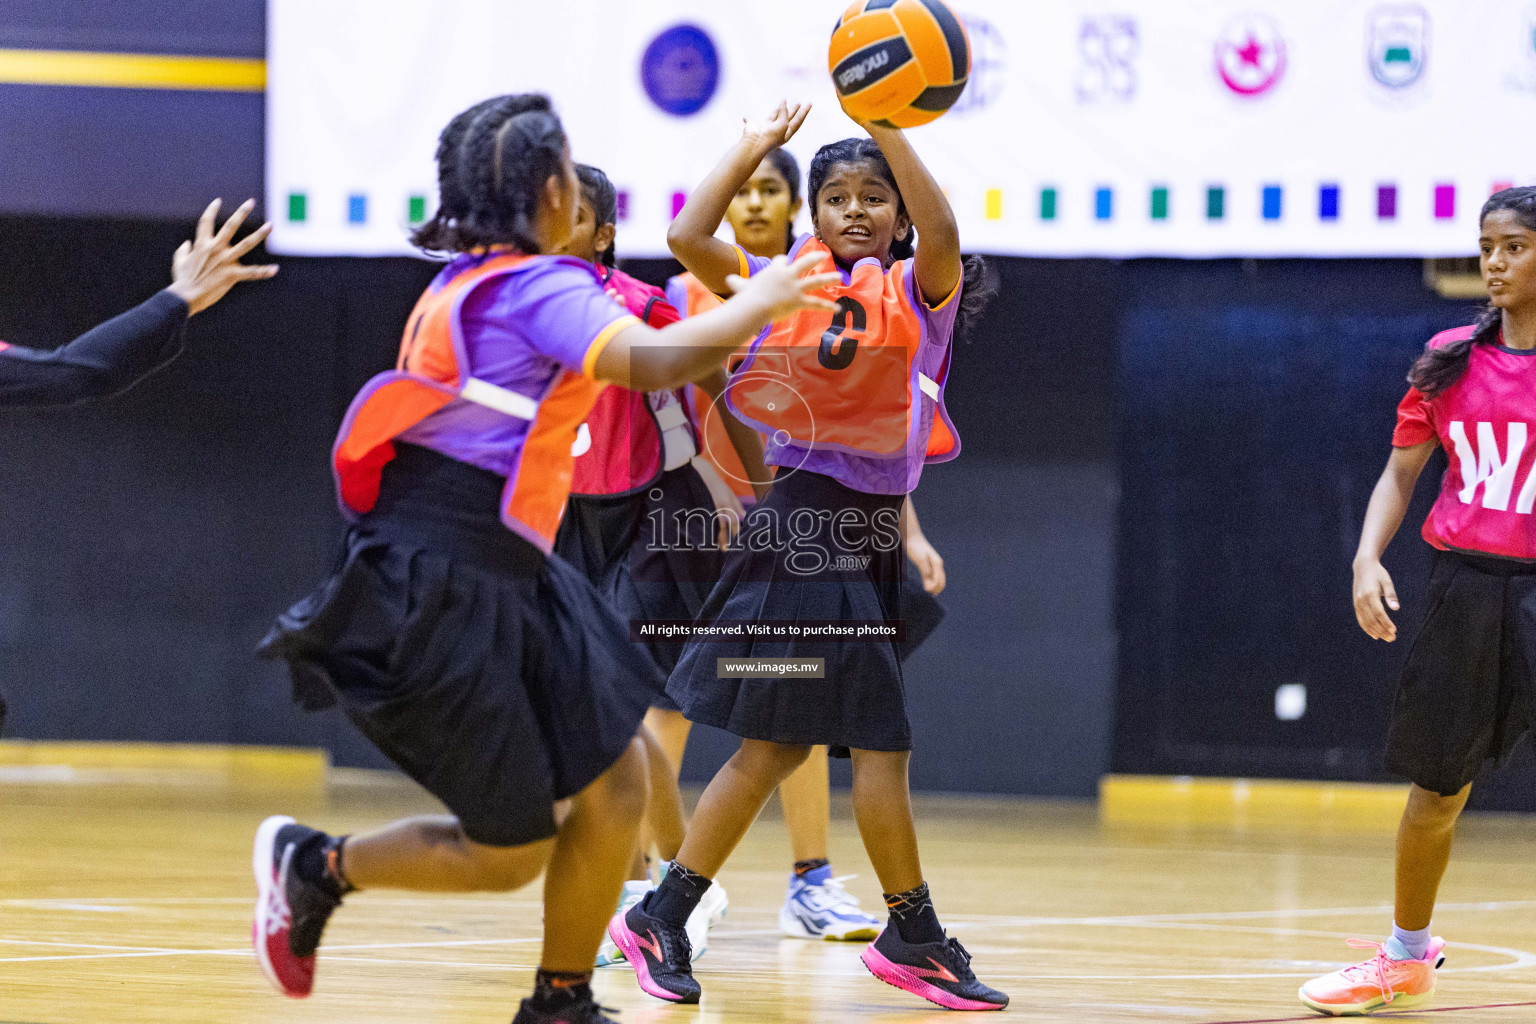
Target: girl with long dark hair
column 853, row 408
column 1466, row 695
column 484, row 666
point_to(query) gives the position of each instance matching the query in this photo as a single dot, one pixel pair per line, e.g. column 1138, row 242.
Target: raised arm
column 937, row 264
column 1384, row 514
column 692, row 234
column 115, row 355
column 643, row 359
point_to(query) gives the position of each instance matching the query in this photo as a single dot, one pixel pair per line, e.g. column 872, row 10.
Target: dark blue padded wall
column 1257, row 406
column 149, row 539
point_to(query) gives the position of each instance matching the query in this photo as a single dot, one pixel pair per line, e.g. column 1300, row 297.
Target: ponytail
column 1438, row 368
column 508, row 153
column 979, row 286
column 439, row 235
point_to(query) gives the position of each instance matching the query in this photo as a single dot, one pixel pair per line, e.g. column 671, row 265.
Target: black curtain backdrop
column 148, row 540
column 1258, row 401
column 1244, row 407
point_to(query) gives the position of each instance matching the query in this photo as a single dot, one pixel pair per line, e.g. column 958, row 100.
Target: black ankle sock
column 317, row 860
column 805, row 867
column 915, row 918
column 677, row 895
column 553, row 990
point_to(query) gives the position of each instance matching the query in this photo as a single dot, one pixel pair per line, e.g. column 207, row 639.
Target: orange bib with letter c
column 849, row 381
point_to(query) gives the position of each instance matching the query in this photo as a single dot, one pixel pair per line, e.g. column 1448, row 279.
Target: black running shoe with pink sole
column 940, row 972
column 290, row 912
column 659, row 952
column 584, row 1012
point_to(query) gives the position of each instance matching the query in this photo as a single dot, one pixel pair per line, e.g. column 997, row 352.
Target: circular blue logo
column 989, row 66
column 681, row 70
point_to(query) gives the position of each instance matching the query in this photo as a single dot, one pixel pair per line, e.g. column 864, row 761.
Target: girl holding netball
column 1466, row 694
column 488, row 669
column 816, row 906
column 852, row 404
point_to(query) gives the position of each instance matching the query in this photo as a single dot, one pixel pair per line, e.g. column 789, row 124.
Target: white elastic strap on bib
column 677, row 446
column 929, row 386
column 494, row 396
column 670, row 417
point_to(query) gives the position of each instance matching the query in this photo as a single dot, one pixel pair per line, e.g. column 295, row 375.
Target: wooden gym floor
column 125, row 898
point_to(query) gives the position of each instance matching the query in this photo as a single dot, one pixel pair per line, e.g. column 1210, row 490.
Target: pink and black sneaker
column 659, row 952
column 940, row 972
column 581, row 1011
column 290, row 912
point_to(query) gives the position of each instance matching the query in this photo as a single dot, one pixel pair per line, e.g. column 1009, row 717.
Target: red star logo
column 1251, row 52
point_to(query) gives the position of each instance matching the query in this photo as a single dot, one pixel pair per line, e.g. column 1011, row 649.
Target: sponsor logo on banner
column 681, row 70
column 989, row 66
column 1250, row 55
column 1108, row 45
column 1397, row 44
column 1524, row 75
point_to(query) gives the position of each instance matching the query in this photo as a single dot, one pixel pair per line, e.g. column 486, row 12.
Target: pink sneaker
column 1374, row 983
column 290, row 912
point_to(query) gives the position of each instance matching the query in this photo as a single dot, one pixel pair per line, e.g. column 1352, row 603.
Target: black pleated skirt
column 1466, row 695
column 777, row 573
column 652, row 555
column 920, row 610
column 496, row 677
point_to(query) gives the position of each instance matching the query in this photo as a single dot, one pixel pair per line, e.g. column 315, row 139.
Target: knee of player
column 442, row 833
column 795, row 755
column 504, row 869
column 778, row 759
column 1426, row 808
column 627, row 785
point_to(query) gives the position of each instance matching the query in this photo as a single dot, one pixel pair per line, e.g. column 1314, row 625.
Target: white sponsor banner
column 1090, row 127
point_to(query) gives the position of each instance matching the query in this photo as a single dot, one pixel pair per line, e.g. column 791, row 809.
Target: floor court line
column 1519, row 959
column 71, row 902
column 1218, row 915
column 1380, row 1013
column 87, row 945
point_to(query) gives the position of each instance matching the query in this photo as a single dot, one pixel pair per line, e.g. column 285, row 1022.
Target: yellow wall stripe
column 21, row 760
column 1184, row 801
column 131, row 70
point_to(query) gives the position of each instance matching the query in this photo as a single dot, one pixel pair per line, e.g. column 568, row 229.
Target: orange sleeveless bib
column 431, row 373
column 847, row 381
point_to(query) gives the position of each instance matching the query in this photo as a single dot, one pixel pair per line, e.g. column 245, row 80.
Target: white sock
column 1406, row 945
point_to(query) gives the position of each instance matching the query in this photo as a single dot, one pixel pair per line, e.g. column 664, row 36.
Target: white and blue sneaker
column 818, row 907
column 710, row 912
column 609, row 952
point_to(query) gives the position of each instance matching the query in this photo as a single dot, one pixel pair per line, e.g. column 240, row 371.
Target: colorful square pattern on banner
column 1178, row 128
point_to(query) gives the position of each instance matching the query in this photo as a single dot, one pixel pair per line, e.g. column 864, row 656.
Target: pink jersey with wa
column 1485, row 423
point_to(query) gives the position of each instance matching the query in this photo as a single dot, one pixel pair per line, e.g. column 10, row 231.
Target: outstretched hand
column 784, row 287
column 778, row 128
column 207, row 266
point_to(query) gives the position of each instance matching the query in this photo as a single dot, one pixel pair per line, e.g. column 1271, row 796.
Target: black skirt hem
column 494, row 676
